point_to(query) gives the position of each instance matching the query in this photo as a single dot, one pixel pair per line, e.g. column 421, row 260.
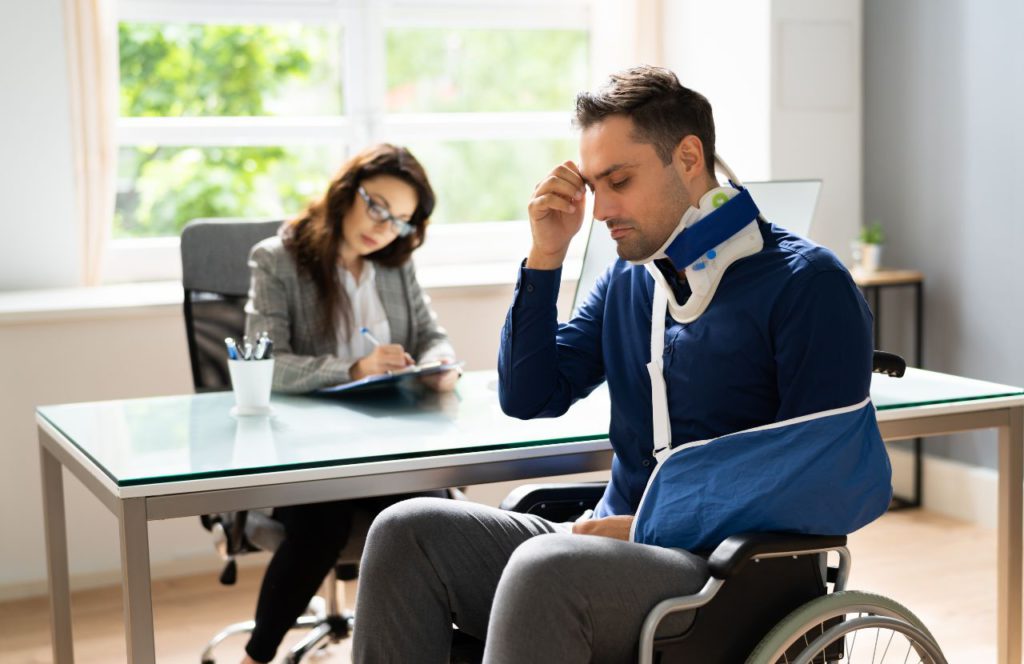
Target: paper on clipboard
column 390, row 378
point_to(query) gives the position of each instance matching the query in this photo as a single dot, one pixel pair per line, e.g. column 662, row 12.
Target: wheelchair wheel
column 851, row 627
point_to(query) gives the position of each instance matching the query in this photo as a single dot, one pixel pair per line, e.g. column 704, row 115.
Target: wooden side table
column 871, row 284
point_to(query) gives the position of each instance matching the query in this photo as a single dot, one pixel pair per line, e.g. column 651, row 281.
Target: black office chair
column 766, row 600
column 215, row 275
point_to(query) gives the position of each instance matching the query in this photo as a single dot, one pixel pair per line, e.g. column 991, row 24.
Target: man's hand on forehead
column 564, row 181
column 556, row 215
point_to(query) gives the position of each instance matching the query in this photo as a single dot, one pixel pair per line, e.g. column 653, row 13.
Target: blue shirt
column 787, row 334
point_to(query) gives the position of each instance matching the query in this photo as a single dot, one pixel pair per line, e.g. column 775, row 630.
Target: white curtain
column 91, row 39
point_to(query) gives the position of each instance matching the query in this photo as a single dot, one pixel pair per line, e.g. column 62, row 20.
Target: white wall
column 816, row 109
column 732, row 69
column 61, row 361
column 784, row 80
column 40, row 241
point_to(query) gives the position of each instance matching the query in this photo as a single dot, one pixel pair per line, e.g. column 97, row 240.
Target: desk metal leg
column 135, row 581
column 919, row 360
column 56, row 555
column 919, row 324
column 1010, row 533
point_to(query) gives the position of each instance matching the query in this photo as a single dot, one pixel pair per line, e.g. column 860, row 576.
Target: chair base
column 324, row 628
column 330, row 629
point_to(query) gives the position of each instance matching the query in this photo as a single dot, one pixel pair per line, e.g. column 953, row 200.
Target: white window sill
column 118, row 300
column 145, row 298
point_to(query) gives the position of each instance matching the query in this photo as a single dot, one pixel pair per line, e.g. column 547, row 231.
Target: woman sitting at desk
column 341, row 266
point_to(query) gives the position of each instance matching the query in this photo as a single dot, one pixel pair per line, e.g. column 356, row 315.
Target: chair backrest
column 215, row 275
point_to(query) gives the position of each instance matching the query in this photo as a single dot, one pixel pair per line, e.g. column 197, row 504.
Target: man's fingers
column 564, row 188
column 565, row 173
column 542, row 204
column 570, row 173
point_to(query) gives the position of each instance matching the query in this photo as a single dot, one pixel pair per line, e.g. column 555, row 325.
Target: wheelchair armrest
column 730, row 556
column 889, row 364
column 556, row 502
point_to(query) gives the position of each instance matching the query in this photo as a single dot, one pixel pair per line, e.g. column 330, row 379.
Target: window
column 246, row 108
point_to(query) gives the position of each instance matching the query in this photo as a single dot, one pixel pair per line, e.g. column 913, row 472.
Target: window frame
column 364, row 24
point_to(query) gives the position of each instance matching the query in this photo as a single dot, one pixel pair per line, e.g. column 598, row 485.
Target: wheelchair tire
column 822, row 622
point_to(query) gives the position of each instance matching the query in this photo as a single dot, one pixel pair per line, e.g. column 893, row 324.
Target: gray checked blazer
column 283, row 303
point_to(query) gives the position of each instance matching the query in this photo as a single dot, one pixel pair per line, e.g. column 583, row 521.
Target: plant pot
column 870, row 257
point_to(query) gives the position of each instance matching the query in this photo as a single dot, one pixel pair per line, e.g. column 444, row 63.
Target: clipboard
column 392, row 378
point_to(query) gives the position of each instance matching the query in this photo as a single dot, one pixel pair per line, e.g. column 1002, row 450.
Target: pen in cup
column 263, row 350
column 264, row 347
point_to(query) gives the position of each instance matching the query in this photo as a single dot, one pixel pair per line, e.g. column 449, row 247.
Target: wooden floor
column 942, row 569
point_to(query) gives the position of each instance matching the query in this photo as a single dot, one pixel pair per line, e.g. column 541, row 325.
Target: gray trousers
column 528, row 587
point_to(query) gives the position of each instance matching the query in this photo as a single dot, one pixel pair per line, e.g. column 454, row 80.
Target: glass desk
column 170, row 445
column 166, row 457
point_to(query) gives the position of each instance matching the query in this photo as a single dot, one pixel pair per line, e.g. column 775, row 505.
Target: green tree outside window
column 182, row 70
column 282, row 69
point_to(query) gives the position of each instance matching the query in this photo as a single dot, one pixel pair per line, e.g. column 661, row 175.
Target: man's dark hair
column 662, row 109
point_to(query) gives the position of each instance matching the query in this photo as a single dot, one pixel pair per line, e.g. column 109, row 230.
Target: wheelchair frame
column 736, row 551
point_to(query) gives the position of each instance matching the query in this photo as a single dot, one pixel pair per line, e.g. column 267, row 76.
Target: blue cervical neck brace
column 714, row 229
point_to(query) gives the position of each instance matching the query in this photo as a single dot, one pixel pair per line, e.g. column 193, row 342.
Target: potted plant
column 867, row 250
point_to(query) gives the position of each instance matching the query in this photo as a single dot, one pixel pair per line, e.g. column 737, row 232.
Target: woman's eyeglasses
column 380, row 214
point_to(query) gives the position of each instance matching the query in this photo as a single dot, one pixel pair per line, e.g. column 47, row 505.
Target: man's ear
column 688, row 159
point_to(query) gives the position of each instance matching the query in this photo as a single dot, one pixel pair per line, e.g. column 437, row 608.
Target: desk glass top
column 927, row 388
column 164, row 439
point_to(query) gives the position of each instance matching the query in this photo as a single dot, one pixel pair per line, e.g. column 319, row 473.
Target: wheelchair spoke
column 888, row 643
column 877, row 649
column 826, row 631
column 853, row 642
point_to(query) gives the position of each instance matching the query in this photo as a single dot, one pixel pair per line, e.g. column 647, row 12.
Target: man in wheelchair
column 738, row 359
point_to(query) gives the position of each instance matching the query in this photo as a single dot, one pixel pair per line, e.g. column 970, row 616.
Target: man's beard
column 635, row 248
column 636, row 245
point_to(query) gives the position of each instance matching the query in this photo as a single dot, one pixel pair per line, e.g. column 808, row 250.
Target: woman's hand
column 444, row 381
column 384, row 358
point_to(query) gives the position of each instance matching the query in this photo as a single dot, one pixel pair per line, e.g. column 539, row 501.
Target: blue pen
column 366, row 333
column 232, row 348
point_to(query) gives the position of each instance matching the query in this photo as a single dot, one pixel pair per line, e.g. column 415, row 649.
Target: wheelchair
column 767, row 600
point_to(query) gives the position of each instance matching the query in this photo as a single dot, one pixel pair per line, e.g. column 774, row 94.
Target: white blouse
column 367, row 311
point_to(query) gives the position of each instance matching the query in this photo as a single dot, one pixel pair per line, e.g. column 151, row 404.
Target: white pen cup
column 251, row 381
